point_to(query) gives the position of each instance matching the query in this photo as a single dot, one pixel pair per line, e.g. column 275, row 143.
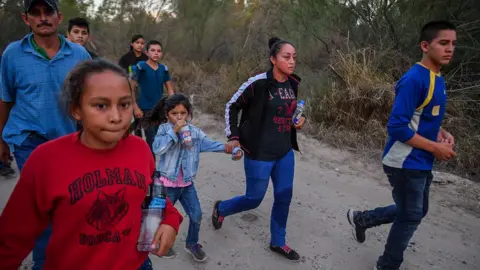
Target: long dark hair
column 135, row 38
column 158, row 115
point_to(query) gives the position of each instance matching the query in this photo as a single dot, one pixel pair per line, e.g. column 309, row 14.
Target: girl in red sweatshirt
column 88, row 186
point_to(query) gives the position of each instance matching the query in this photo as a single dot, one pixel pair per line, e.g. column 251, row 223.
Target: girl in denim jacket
column 177, row 165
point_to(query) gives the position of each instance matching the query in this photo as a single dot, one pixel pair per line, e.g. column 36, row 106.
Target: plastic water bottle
column 152, row 215
column 299, row 111
column 130, row 72
column 186, row 137
column 235, row 151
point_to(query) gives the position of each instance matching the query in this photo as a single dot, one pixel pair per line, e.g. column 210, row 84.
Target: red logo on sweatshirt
column 290, row 108
column 107, row 210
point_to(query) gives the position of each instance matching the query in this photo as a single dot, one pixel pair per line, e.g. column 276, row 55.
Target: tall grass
column 348, row 103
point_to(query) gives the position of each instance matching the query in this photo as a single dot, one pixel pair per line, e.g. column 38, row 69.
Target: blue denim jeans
column 411, row 189
column 147, row 265
column 258, row 175
column 21, row 153
column 190, row 203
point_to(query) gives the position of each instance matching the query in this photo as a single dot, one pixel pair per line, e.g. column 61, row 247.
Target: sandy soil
column 327, row 182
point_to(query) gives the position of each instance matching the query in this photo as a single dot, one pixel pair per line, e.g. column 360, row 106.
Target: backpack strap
column 431, row 90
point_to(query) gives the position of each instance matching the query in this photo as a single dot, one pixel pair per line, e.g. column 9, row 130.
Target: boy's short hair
column 80, row 22
column 430, row 30
column 153, row 42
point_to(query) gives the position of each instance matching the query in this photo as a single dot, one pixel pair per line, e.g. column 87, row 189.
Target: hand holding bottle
column 237, row 153
column 179, row 125
column 164, row 240
column 300, row 123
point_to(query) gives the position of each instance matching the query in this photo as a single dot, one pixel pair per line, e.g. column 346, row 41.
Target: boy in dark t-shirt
column 151, row 78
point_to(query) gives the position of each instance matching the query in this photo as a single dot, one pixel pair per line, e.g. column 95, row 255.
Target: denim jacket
column 171, row 154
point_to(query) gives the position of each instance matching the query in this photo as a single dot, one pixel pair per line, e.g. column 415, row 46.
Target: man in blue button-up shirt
column 32, row 73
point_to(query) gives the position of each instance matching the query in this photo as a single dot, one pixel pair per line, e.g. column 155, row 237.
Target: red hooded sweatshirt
column 91, row 197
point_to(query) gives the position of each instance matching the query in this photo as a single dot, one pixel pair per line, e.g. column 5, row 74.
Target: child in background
column 151, row 77
column 79, row 32
column 135, row 54
column 177, row 165
column 89, row 185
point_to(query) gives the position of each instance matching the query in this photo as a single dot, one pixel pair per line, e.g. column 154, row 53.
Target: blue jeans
column 21, row 153
column 147, row 265
column 411, row 189
column 258, row 174
column 190, row 203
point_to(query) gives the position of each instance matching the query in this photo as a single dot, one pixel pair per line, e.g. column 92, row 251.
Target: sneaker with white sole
column 358, row 230
column 170, row 255
column 197, row 252
column 6, row 170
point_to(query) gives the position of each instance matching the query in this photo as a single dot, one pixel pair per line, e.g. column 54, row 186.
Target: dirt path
column 327, row 183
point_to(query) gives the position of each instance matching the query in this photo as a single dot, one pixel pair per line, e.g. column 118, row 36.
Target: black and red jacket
column 251, row 99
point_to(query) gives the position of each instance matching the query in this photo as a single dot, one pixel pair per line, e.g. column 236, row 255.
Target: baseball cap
column 28, row 4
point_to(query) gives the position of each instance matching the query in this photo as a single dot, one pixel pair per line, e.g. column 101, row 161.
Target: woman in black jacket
column 268, row 136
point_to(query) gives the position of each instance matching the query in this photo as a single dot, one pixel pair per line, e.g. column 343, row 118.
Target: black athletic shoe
column 6, row 170
column 286, row 252
column 379, row 268
column 358, row 230
column 197, row 252
column 217, row 219
column 170, row 255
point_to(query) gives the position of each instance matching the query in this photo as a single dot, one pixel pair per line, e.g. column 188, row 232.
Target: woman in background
column 135, row 54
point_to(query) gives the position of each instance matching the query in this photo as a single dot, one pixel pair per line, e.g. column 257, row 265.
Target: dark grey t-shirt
column 276, row 131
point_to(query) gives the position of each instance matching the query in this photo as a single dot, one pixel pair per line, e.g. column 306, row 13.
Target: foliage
column 350, row 54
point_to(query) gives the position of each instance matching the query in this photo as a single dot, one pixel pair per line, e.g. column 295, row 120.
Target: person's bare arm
column 7, row 99
column 136, row 110
column 445, row 136
column 5, row 108
column 169, row 87
column 134, row 85
column 441, row 150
